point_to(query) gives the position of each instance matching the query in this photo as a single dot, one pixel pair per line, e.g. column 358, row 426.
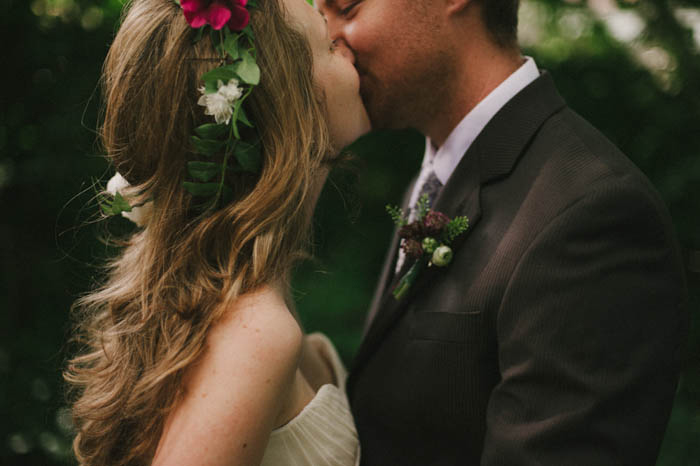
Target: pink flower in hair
column 216, row 13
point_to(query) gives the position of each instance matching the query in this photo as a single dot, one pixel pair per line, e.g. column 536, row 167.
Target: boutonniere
column 426, row 240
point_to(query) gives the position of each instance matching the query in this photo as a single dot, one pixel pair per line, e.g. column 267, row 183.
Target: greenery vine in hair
column 224, row 92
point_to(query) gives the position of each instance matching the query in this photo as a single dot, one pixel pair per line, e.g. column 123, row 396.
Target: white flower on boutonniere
column 219, row 104
column 117, row 187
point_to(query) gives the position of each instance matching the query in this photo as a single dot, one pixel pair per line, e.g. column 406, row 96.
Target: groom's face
column 399, row 57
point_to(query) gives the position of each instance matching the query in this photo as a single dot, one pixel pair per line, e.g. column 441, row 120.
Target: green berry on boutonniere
column 419, row 240
column 430, row 245
column 441, row 256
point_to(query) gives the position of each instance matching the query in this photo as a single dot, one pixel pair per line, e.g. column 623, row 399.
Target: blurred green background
column 630, row 67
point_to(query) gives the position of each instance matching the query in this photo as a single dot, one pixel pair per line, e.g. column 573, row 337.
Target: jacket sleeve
column 590, row 332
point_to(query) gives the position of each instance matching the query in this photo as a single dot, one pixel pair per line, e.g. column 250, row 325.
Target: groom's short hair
column 501, row 20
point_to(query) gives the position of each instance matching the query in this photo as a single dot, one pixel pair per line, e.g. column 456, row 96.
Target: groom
column 553, row 337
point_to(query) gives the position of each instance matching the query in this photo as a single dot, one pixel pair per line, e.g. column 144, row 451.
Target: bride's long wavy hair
column 148, row 320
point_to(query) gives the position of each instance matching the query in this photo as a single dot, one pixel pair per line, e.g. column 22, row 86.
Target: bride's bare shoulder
column 261, row 317
column 235, row 393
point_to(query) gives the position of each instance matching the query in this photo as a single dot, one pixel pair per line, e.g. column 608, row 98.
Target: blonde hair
column 147, row 323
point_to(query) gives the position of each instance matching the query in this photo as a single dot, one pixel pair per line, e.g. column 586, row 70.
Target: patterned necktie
column 431, row 187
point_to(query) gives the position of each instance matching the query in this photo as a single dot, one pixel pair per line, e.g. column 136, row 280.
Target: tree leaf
column 203, row 171
column 206, row 146
column 248, row 155
column 211, row 130
column 201, row 189
column 223, row 73
column 247, row 69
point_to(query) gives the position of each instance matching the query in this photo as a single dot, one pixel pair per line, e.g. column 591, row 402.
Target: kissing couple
column 531, row 308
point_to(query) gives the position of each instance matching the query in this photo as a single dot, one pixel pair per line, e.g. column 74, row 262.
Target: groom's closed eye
column 344, row 9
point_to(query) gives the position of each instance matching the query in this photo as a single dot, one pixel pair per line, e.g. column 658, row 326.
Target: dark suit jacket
column 553, row 337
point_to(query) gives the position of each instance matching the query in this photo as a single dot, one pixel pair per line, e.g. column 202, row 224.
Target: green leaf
column 211, row 130
column 201, row 189
column 198, row 37
column 397, row 215
column 247, row 69
column 422, row 207
column 248, row 155
column 120, row 205
column 206, row 146
column 203, row 171
column 248, row 31
column 243, row 118
column 454, row 228
column 231, row 46
column 223, row 73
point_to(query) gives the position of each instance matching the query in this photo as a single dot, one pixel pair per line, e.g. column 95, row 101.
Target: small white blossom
column 116, row 184
column 230, row 91
column 219, row 104
column 139, row 214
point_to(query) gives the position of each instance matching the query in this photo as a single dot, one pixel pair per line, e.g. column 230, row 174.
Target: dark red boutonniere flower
column 216, row 13
column 426, row 240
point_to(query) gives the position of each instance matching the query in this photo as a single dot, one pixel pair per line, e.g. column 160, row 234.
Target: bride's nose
column 344, row 50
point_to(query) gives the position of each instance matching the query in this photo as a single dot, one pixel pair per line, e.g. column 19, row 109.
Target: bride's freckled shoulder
column 263, row 316
column 240, row 387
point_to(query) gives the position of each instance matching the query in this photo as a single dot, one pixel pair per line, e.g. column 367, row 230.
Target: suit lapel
column 493, row 155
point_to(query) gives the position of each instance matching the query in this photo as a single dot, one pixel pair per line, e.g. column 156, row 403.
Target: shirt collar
column 445, row 159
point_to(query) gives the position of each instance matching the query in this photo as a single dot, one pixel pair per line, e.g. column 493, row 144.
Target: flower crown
column 224, row 91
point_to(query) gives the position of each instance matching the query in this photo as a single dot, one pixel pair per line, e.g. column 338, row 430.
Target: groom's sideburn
column 554, row 336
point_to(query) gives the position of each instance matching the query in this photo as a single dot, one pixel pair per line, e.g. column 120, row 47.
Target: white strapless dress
column 323, row 433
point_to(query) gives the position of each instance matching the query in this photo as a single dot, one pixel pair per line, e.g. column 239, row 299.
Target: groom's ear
column 457, row 6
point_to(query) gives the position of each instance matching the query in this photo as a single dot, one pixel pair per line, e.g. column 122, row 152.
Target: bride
column 191, row 354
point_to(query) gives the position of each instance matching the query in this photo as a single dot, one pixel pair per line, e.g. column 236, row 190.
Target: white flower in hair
column 231, row 90
column 219, row 104
column 216, row 105
column 139, row 214
column 116, row 184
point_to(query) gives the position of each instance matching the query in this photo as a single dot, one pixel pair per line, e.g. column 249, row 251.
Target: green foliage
column 422, row 207
column 247, row 69
column 454, row 228
column 114, row 206
column 203, row 171
column 397, row 215
column 206, row 147
column 248, row 156
column 211, row 130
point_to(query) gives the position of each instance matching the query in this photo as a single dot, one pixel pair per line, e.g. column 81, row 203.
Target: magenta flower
column 216, row 13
